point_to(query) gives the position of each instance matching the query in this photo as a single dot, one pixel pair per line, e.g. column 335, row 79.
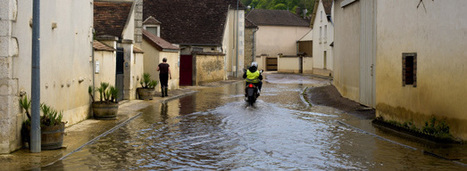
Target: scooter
column 251, row 94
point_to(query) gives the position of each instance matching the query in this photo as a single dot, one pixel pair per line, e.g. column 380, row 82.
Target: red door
column 186, row 70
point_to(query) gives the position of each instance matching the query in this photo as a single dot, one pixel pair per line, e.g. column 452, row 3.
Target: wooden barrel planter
column 52, row 136
column 146, row 93
column 105, row 110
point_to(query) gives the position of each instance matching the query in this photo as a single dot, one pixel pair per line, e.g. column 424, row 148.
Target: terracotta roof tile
column 158, row 42
column 276, row 18
column 99, row 46
column 199, row 22
column 110, row 17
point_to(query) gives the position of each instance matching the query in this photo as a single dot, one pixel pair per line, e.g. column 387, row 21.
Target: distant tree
column 280, row 6
column 290, row 5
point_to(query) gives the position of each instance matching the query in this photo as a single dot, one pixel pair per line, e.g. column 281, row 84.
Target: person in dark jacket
column 164, row 75
column 252, row 75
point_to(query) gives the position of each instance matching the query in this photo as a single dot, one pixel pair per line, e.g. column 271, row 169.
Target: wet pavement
column 214, row 129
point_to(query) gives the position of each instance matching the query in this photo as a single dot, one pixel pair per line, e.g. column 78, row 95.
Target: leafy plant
column 49, row 117
column 107, row 93
column 146, row 81
column 25, row 104
column 436, row 128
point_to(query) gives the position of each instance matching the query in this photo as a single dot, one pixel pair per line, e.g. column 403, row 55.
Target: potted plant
column 52, row 126
column 147, row 90
column 107, row 106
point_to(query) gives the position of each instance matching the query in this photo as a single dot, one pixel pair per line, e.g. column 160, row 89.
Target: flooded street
column 213, row 129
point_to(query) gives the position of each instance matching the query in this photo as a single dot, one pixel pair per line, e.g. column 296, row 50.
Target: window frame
column 405, row 56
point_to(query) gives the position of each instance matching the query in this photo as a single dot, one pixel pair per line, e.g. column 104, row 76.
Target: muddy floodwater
column 214, row 130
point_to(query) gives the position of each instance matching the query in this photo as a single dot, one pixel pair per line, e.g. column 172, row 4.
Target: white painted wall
column 346, row 65
column 323, row 36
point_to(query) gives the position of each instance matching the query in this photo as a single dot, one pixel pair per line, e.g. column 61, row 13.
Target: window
column 321, row 16
column 409, row 69
column 320, row 34
column 154, row 29
column 325, row 33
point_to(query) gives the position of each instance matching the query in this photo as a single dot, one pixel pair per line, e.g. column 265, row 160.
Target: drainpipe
column 236, row 39
column 35, row 145
column 93, row 65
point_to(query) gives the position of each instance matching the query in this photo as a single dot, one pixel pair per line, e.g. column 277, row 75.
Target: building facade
column 65, row 62
column 404, row 58
column 323, row 34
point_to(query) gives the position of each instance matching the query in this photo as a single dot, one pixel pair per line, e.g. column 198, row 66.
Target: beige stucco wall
column 273, row 40
column 288, row 64
column 307, row 65
column 153, row 57
column 308, row 36
column 346, row 63
column 66, row 71
column 151, row 60
column 137, row 70
column 261, row 60
column 107, row 65
column 173, row 59
column 322, row 41
column 209, row 67
column 438, row 36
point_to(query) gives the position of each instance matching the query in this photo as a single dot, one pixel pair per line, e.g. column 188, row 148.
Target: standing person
column 164, row 75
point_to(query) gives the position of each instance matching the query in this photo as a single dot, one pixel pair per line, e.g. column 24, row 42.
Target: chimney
column 298, row 11
column 304, row 12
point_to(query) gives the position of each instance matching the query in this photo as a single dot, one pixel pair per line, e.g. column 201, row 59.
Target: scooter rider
column 252, row 75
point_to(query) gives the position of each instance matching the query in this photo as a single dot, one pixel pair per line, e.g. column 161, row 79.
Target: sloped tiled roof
column 276, row 18
column 249, row 24
column 327, row 4
column 199, row 22
column 159, row 43
column 151, row 21
column 110, row 17
column 99, row 46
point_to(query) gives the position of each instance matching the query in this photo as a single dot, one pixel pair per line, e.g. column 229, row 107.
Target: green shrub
column 49, row 117
column 107, row 93
column 146, row 81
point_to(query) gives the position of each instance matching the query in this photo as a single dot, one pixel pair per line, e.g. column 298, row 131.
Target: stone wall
column 209, row 67
column 10, row 117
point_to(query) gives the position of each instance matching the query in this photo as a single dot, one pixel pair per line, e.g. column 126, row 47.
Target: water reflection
column 214, row 130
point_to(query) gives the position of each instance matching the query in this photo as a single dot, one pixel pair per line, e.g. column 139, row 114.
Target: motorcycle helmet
column 254, row 64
